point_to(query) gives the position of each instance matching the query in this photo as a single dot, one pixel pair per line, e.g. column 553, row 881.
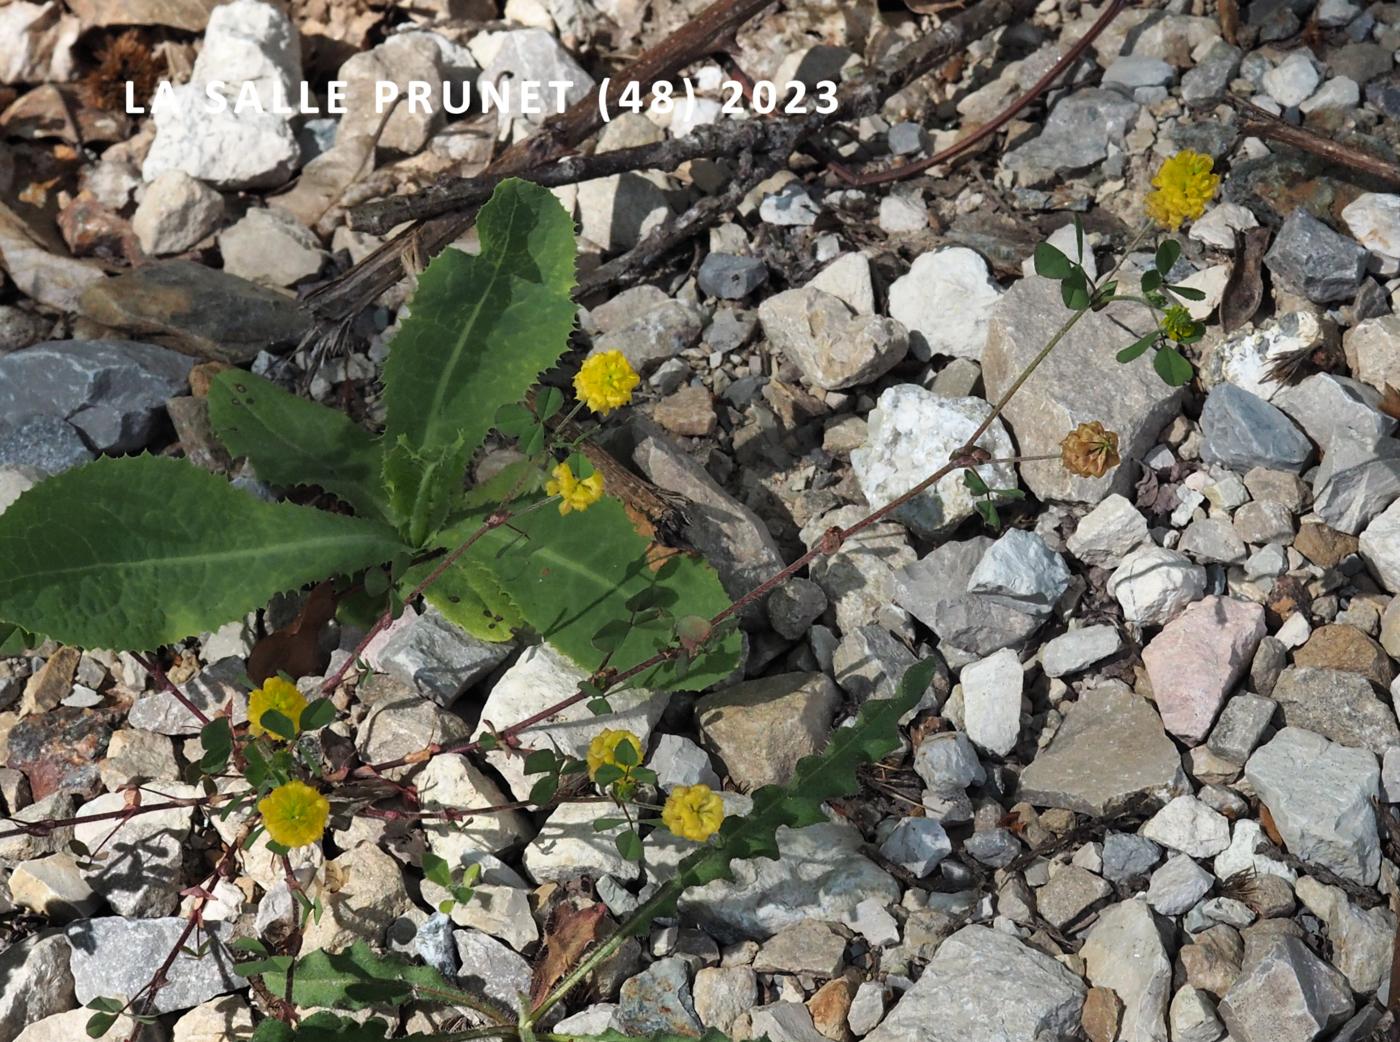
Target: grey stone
column 1358, row 478
column 491, row 969
column 117, row 957
column 934, row 590
column 1326, row 406
column 176, row 213
column 721, row 993
column 1242, row 431
column 1293, row 80
column 992, row 701
column 440, row 659
column 1109, row 532
column 1110, row 752
column 1242, row 723
column 785, row 1022
column 648, row 334
column 218, row 684
column 996, row 848
column 728, row 277
column 794, row 606
column 1337, row 704
column 1212, row 540
column 808, row 947
column 916, row 845
column 906, row 139
column 1315, row 260
column 759, row 729
column 536, row 55
column 1284, row 994
column 1319, row 795
column 47, row 444
column 820, row 873
column 1135, row 70
column 831, row 346
column 1076, row 650
column 870, row 662
column 1131, row 400
column 1077, row 135
column 986, row 986
column 912, row 431
column 112, row 391
column 1264, row 523
column 142, row 873
column 658, row 1000
column 861, row 578
column 1153, row 584
column 1128, row 856
column 1361, row 938
column 542, row 677
column 270, row 247
column 1207, row 83
column 727, row 533
column 1069, row 896
column 1190, row 826
column 37, row 982
column 1192, row 1017
column 197, row 310
column 1178, row 885
column 943, row 301
column 1020, row 569
column 790, row 207
column 1126, row 951
column 1380, row 547
column 947, row 761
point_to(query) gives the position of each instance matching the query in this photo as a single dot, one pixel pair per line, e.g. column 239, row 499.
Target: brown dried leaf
column 572, row 930
column 1244, row 291
column 296, row 648
column 1390, row 402
column 1266, row 822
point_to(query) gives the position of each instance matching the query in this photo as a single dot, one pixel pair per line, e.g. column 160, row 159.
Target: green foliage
column 358, row 979
column 425, row 485
column 568, row 575
column 472, row 597
column 989, row 498
column 324, row 1027
column 482, row 329
column 137, row 552
column 292, row 441
column 828, row 775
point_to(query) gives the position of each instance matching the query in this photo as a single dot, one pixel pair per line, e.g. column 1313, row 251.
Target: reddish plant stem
column 43, row 828
column 151, row 666
column 986, row 130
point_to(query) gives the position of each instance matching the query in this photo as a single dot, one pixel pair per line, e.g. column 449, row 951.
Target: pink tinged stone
column 1198, row 657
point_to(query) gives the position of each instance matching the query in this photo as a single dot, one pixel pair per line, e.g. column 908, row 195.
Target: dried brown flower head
column 119, row 59
column 1089, row 450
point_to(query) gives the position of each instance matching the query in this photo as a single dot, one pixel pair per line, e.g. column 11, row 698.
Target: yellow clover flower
column 574, row 493
column 693, row 812
column 605, row 382
column 602, row 751
column 1184, row 185
column 1177, row 323
column 294, row 814
column 275, row 694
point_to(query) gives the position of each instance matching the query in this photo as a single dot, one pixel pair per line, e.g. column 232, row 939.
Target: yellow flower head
column 606, row 382
column 574, row 493
column 1183, row 186
column 275, row 694
column 602, row 751
column 693, row 812
column 295, row 814
column 1178, row 324
column 1090, row 450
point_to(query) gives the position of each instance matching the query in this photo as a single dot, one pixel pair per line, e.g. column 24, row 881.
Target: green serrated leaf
column 481, row 329
column 293, row 441
column 136, row 552
column 1050, row 263
column 1172, row 367
column 567, row 572
column 357, row 979
column 424, row 486
column 326, row 1027
column 816, row 779
column 472, row 597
